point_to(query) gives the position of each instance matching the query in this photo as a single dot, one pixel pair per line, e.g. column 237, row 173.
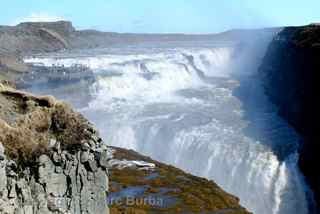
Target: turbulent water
column 201, row 109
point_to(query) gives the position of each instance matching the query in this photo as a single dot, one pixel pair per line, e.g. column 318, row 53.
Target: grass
column 192, row 194
column 31, row 122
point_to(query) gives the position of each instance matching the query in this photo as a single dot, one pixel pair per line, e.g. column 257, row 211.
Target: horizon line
column 78, row 28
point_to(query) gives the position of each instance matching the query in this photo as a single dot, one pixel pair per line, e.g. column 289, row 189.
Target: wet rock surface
column 55, row 76
column 141, row 185
column 65, row 83
column 290, row 71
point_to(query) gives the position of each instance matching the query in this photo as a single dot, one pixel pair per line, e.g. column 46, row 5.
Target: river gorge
column 199, row 106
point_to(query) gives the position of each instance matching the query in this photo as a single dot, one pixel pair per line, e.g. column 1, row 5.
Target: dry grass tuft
column 70, row 127
column 22, row 143
column 37, row 120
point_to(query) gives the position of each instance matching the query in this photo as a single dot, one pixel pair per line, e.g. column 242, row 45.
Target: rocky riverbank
column 154, row 187
column 290, row 74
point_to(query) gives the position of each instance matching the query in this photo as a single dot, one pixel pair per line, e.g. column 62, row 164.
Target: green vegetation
column 189, row 194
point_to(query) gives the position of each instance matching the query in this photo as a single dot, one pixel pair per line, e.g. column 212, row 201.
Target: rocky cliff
column 290, row 71
column 51, row 159
column 35, row 37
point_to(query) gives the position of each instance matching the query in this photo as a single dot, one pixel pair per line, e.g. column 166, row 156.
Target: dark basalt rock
column 52, row 77
column 290, row 72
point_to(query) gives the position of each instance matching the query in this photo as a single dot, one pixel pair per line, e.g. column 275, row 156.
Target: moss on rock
column 178, row 191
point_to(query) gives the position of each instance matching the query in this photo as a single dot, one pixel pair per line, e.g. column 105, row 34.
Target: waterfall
column 202, row 110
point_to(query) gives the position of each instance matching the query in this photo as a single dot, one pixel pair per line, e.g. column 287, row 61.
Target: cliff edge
column 290, row 73
column 51, row 159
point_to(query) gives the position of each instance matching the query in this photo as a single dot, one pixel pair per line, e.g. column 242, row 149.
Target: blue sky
column 164, row 16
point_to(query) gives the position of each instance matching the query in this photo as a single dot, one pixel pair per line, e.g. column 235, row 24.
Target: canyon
column 236, row 107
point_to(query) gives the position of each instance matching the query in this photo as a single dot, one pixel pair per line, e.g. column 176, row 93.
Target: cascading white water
column 188, row 107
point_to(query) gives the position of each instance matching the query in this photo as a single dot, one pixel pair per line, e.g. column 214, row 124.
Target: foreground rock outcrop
column 51, row 159
column 290, row 72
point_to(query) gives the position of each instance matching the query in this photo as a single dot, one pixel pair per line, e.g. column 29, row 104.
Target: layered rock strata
column 43, row 168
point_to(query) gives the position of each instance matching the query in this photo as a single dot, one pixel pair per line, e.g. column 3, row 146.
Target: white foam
column 122, row 164
column 213, row 62
column 225, row 154
column 204, row 132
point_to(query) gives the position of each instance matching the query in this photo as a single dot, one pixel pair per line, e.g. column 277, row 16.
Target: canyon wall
column 290, row 72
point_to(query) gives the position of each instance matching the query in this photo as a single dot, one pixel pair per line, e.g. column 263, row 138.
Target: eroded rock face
column 60, row 182
column 51, row 158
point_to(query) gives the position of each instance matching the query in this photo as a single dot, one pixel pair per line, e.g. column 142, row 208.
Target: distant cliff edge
column 35, row 37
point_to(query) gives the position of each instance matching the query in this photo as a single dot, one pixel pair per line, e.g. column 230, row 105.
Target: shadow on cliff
column 264, row 124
